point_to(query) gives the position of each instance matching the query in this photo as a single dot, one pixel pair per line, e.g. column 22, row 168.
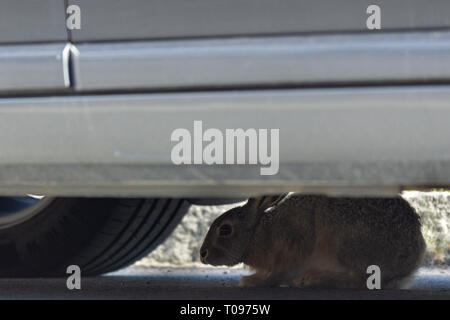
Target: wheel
column 41, row 237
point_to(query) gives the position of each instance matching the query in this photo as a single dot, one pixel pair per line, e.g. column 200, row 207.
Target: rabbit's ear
column 260, row 204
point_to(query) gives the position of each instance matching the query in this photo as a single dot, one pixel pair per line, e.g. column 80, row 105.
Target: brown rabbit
column 318, row 241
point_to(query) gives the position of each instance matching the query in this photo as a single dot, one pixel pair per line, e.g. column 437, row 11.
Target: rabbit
column 311, row 241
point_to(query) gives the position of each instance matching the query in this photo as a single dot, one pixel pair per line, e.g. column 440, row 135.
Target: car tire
column 98, row 235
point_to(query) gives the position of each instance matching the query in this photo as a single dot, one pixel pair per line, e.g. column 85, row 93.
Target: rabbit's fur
column 318, row 241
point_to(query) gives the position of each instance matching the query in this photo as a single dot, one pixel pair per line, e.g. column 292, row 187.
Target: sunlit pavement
column 206, row 283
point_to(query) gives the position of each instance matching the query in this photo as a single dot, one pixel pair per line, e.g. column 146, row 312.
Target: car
column 116, row 116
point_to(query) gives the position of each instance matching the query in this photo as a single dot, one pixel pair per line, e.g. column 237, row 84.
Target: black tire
column 99, row 235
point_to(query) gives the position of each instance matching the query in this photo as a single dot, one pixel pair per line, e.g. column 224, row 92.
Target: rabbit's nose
column 203, row 253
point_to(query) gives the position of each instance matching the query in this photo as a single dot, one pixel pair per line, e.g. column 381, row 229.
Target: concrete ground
column 206, row 283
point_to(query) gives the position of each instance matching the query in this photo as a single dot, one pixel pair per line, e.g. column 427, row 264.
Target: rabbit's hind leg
column 399, row 282
column 327, row 279
column 263, row 279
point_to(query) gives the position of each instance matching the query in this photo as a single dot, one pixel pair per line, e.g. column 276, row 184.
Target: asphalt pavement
column 206, row 283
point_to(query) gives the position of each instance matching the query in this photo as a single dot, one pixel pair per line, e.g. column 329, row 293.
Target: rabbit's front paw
column 254, row 280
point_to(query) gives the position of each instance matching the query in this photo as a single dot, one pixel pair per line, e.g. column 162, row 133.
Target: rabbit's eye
column 225, row 230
